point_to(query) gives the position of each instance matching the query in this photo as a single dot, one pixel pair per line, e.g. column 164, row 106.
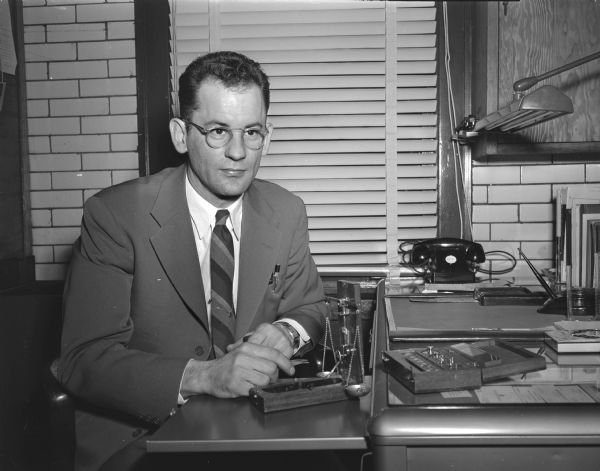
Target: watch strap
column 294, row 335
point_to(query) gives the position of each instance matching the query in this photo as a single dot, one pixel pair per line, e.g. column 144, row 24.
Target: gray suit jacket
column 134, row 308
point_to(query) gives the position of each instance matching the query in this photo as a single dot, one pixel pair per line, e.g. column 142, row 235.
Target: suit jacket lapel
column 259, row 248
column 174, row 243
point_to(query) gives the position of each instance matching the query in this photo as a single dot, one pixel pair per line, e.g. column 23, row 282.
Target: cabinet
column 513, row 40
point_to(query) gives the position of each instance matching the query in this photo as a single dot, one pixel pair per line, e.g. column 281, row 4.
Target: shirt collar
column 203, row 209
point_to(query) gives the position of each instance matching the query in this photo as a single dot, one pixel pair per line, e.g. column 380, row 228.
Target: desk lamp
column 543, row 104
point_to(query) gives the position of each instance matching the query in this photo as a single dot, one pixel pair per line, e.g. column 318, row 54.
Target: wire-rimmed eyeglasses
column 218, row 137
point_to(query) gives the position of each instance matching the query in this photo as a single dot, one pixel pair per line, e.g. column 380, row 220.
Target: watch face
column 294, row 334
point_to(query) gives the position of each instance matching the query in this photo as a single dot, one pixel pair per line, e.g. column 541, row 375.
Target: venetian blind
column 353, row 104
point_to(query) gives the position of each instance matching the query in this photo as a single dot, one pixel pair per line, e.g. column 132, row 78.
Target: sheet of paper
column 456, row 394
column 8, row 56
column 497, row 395
column 536, row 393
column 563, row 393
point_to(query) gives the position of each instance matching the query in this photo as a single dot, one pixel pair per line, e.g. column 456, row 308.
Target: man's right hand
column 234, row 374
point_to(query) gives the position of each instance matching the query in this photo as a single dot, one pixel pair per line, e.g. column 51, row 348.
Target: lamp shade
column 543, row 104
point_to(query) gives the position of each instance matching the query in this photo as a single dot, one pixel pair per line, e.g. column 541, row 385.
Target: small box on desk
column 298, row 392
column 465, row 365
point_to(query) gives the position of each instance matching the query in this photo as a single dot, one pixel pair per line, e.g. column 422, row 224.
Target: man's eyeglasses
column 219, row 137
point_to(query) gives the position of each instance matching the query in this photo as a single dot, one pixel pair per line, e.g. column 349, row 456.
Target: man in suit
column 140, row 310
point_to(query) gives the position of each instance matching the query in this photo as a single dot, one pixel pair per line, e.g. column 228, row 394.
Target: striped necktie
column 221, row 280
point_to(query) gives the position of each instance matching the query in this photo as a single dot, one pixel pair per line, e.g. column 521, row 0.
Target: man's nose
column 236, row 149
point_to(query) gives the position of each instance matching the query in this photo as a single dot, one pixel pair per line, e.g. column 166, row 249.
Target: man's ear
column 265, row 148
column 178, row 135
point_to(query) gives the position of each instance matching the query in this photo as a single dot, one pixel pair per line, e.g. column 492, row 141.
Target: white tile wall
column 499, row 188
column 106, row 50
column 43, row 254
column 76, row 32
column 47, row 52
column 40, row 181
column 56, row 199
column 82, row 115
column 42, row 15
column 53, row 126
column 83, row 180
column 552, row 173
column 82, row 69
column 45, row 162
column 80, row 106
column 108, row 87
column 537, row 212
column 110, row 160
column 109, row 124
column 89, row 143
column 123, row 105
column 36, row 71
column 67, row 217
column 34, row 34
column 592, row 173
column 37, row 108
column 41, row 217
column 123, row 142
column 52, row 89
column 121, row 68
column 120, row 29
column 497, row 213
column 105, row 12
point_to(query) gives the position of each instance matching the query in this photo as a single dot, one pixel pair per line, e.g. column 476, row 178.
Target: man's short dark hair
column 231, row 68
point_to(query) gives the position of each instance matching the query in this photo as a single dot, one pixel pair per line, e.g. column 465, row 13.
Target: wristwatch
column 294, row 335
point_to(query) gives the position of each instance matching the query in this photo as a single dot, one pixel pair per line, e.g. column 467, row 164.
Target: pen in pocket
column 274, row 280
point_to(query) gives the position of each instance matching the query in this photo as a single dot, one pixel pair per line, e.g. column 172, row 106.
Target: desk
column 208, row 424
column 464, row 436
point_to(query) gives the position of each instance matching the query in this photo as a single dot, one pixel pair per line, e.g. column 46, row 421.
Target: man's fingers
column 269, row 354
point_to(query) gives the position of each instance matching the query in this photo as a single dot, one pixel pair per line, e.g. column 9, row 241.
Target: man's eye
column 252, row 132
column 218, row 132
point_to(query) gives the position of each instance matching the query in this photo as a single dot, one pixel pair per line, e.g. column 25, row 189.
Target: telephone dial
column 447, row 260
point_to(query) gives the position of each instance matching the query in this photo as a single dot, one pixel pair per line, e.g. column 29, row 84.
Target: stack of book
column 574, row 337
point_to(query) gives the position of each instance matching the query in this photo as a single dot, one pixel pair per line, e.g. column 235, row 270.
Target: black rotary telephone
column 447, row 260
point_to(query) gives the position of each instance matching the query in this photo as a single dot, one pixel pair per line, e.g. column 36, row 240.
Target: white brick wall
column 82, row 115
column 513, row 208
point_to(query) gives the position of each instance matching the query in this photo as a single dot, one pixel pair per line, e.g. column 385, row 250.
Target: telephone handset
column 447, row 260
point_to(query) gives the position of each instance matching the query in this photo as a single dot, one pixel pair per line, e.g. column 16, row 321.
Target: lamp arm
column 528, row 82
